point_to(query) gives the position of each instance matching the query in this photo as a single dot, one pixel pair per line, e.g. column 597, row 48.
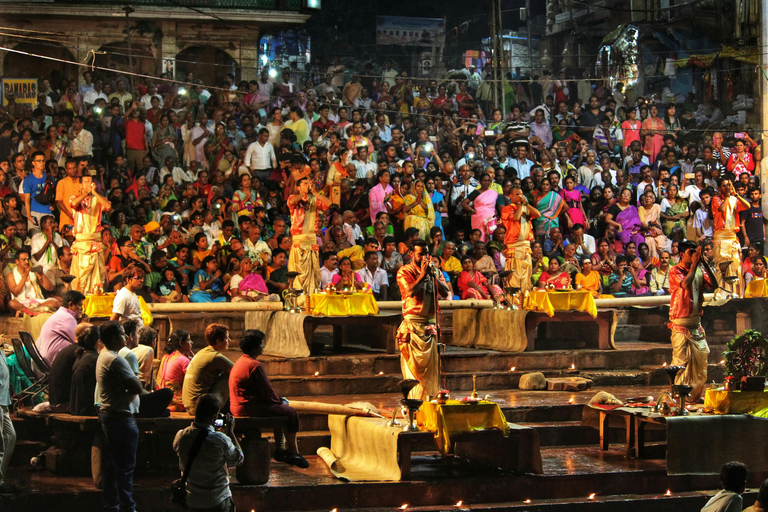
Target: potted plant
column 746, row 360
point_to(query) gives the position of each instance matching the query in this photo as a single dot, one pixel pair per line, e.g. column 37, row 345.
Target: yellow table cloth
column 344, row 305
column 101, row 306
column 754, row 403
column 549, row 302
column 456, row 417
column 757, row 288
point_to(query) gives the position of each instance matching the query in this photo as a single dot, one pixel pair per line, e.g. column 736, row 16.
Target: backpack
column 47, row 195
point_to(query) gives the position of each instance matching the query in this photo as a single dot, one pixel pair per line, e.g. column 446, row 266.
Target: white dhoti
column 88, row 263
column 305, row 260
column 519, row 264
column 690, row 349
column 417, row 340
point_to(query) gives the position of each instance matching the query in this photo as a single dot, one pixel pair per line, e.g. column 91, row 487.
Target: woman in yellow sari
column 589, row 280
column 419, row 212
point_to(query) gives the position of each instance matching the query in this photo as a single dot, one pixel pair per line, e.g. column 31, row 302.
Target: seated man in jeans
column 208, row 481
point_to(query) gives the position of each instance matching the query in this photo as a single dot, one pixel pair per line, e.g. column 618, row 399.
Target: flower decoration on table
column 746, row 360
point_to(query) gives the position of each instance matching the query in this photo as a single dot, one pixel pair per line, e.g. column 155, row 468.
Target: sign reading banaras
column 25, row 90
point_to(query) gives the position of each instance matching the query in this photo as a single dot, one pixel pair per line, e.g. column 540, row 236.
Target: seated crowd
column 198, row 180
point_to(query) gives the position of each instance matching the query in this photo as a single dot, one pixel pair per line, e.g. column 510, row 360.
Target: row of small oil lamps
column 461, row 505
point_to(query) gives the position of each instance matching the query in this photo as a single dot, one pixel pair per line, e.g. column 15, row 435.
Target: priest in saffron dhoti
column 87, row 254
column 687, row 282
column 726, row 248
column 417, row 334
column 517, row 217
column 304, row 258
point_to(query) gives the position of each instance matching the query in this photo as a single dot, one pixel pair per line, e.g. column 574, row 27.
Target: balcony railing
column 290, row 5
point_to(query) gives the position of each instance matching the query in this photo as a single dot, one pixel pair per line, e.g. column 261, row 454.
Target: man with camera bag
column 210, row 450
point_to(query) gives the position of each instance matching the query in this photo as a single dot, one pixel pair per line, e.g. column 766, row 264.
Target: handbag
column 179, row 486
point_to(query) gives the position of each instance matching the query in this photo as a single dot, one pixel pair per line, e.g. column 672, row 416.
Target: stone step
column 658, row 333
column 289, row 385
column 629, row 355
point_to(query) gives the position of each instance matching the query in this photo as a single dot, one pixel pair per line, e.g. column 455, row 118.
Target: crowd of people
column 193, row 185
column 178, row 192
column 190, row 187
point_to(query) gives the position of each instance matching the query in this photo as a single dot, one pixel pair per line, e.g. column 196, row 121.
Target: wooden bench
column 600, row 337
column 79, row 444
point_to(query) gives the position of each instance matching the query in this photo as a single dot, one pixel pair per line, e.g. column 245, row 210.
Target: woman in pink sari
column 379, row 195
column 474, row 285
column 483, row 207
column 173, row 366
column 572, row 199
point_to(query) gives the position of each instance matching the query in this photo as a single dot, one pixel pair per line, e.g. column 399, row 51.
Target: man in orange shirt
column 417, row 334
column 725, row 209
column 517, row 217
column 66, row 189
column 689, row 346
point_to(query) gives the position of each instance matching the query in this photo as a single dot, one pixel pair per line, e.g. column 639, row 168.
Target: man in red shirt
column 517, row 217
column 725, row 209
column 687, row 281
column 417, row 334
column 135, row 138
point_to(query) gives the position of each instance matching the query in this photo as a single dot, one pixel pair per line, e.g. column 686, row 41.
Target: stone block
column 533, row 381
column 568, row 384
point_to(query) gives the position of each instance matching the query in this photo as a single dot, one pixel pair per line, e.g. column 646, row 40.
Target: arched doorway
column 207, row 63
column 117, row 56
column 17, row 65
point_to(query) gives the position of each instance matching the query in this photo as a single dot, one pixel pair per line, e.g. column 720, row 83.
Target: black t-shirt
column 753, row 223
column 84, row 385
column 615, row 211
column 61, row 375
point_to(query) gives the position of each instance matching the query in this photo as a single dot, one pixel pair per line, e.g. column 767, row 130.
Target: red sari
column 562, row 281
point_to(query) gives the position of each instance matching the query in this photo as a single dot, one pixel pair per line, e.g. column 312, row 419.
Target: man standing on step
column 517, row 217
column 417, row 334
column 687, row 281
column 304, row 258
column 725, row 209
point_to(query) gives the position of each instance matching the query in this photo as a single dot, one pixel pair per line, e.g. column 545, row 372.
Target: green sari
column 680, row 207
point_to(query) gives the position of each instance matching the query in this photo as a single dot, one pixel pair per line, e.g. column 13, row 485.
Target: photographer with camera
column 205, row 448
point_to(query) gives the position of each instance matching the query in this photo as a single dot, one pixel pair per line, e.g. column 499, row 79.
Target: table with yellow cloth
column 757, row 288
column 101, row 306
column 753, row 403
column 344, row 305
column 549, row 302
column 456, row 417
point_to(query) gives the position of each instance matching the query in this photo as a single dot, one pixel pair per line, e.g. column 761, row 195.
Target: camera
column 428, row 147
column 489, row 133
column 97, row 110
column 176, row 217
column 220, row 421
column 182, row 91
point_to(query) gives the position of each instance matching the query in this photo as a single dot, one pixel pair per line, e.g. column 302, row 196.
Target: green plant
column 747, row 355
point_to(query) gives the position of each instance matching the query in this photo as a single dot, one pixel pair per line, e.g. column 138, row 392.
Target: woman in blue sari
column 207, row 285
column 550, row 205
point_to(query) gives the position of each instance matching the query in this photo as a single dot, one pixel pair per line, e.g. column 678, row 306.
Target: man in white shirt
column 90, row 97
column 260, row 157
column 45, row 244
column 521, row 164
column 374, row 276
column 389, row 74
column 330, row 264
column 366, row 169
column 385, row 132
column 126, row 305
column 585, row 244
column 586, row 172
column 81, row 142
column 146, row 100
column 180, row 176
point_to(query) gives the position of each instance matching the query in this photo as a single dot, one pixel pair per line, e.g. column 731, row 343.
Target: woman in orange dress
column 652, row 132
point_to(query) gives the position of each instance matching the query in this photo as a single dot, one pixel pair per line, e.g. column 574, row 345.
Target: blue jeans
column 121, row 438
